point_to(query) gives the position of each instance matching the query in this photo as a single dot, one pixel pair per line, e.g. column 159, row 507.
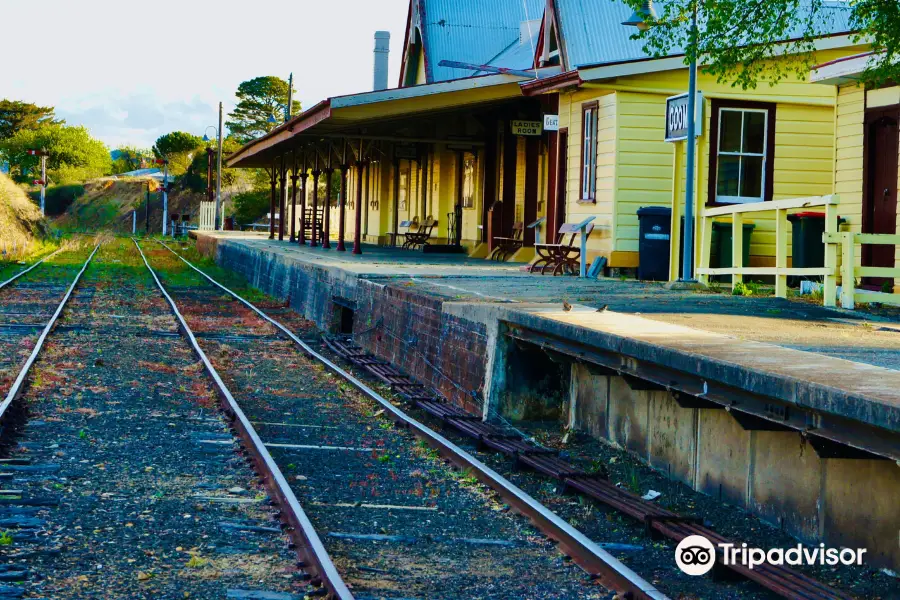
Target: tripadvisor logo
column 696, row 555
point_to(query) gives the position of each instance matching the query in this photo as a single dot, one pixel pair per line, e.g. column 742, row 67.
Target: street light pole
column 687, row 265
column 218, row 222
column 639, row 19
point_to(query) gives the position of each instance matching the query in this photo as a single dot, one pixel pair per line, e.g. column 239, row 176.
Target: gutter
column 551, row 84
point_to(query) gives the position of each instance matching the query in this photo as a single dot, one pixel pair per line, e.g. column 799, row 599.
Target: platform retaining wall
column 410, row 330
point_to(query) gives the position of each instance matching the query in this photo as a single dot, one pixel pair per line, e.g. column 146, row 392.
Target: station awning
column 346, row 116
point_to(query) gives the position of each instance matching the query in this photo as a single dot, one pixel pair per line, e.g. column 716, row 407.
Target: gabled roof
column 592, row 33
column 476, row 32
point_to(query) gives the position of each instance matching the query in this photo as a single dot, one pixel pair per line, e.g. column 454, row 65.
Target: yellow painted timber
column 479, row 251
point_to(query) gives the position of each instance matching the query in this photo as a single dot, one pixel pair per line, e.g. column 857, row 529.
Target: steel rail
column 18, row 384
column 586, row 553
column 315, row 558
column 34, row 266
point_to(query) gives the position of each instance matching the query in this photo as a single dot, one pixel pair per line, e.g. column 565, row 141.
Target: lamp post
column 216, row 221
column 639, row 19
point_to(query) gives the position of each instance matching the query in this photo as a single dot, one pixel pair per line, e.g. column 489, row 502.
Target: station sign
column 551, row 122
column 406, row 152
column 527, row 127
column 677, row 117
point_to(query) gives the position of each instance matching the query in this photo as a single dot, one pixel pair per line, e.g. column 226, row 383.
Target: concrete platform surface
column 798, row 325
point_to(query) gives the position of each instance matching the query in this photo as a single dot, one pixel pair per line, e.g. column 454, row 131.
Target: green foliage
column 259, row 99
column 250, row 206
column 59, row 197
column 741, row 289
column 738, row 39
column 15, row 116
column 179, row 148
column 74, row 156
column 131, row 158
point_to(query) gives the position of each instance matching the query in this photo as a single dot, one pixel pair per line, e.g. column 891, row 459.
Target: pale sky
column 131, row 71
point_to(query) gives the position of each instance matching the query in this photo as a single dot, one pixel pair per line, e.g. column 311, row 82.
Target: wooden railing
column 850, row 272
column 738, row 270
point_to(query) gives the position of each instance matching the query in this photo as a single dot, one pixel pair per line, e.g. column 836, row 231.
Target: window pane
column 730, row 131
column 751, row 176
column 727, row 176
column 754, row 132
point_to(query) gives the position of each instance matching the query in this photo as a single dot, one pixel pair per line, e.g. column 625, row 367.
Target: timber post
column 274, row 183
column 294, row 177
column 326, row 209
column 281, row 198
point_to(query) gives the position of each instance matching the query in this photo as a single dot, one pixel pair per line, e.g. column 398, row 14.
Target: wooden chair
column 504, row 247
column 420, row 236
column 402, row 225
column 564, row 255
column 308, row 227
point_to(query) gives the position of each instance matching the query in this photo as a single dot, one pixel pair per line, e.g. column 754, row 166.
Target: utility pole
column 290, row 102
column 218, row 223
column 43, row 182
column 147, row 211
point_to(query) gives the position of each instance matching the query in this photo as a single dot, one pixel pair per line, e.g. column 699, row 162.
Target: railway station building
column 460, row 151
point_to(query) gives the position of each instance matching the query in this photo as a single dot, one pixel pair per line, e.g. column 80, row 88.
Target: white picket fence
column 207, row 216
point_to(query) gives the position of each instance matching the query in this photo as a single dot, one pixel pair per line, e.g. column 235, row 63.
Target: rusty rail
column 19, row 383
column 315, row 559
column 29, row 268
column 779, row 579
column 587, row 554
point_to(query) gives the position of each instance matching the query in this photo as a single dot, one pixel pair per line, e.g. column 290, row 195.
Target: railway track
column 110, row 489
column 600, row 565
column 29, row 309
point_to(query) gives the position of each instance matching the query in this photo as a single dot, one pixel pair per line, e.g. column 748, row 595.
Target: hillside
column 108, row 205
column 21, row 225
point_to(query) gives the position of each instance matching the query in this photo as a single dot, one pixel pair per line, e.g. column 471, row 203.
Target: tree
column 74, row 156
column 738, row 40
column 130, row 158
column 15, row 116
column 179, row 148
column 259, row 99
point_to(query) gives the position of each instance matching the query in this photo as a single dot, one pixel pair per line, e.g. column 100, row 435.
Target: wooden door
column 880, row 199
column 561, row 181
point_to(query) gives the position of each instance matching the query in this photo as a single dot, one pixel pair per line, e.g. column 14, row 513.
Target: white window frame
column 589, row 133
column 763, row 154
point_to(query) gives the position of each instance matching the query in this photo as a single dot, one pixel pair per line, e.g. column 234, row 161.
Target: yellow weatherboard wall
column 852, row 102
column 636, row 167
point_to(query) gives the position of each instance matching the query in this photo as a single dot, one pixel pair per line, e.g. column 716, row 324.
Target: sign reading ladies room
column 527, row 127
column 677, row 117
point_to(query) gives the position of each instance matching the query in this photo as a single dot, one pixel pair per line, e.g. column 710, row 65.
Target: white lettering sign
column 677, row 120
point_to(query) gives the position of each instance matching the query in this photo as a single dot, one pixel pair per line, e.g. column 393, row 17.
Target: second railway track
column 396, row 522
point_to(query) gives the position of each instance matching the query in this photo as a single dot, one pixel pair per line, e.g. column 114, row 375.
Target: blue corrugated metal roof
column 593, row 33
column 478, row 32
